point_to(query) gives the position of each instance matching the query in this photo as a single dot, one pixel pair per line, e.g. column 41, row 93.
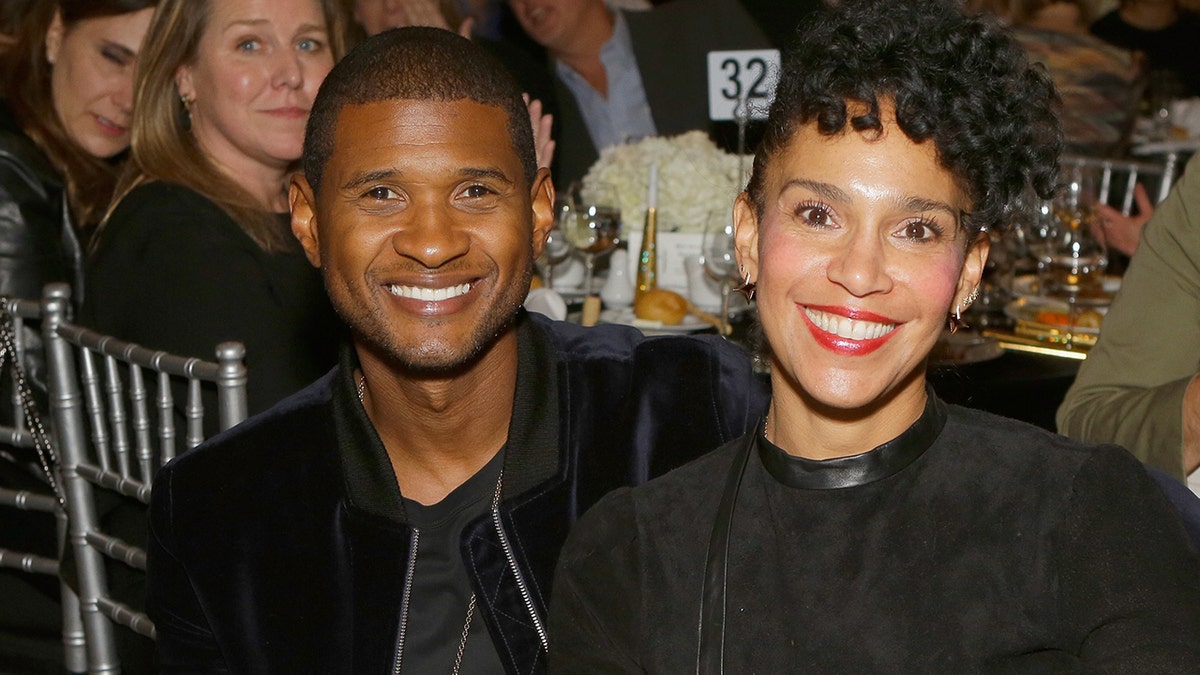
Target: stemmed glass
column 593, row 226
column 1073, row 259
column 720, row 261
column 557, row 248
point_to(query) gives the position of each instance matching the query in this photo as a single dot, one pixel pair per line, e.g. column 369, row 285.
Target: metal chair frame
column 98, row 451
column 1132, row 170
column 19, row 435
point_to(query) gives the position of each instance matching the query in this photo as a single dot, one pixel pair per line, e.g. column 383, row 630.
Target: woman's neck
column 266, row 184
column 804, row 427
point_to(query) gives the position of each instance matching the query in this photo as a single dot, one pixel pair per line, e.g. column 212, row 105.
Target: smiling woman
column 197, row 248
column 867, row 526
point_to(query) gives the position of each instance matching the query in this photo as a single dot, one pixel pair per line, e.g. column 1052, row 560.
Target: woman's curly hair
column 959, row 80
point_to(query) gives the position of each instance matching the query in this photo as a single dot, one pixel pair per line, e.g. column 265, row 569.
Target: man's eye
column 478, row 191
column 380, row 193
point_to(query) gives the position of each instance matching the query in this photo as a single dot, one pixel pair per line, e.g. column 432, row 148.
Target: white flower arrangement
column 697, row 181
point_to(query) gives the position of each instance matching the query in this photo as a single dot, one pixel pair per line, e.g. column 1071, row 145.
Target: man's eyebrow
column 485, row 172
column 364, row 179
column 826, row 191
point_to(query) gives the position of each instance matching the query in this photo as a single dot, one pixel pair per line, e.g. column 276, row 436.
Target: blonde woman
column 197, row 248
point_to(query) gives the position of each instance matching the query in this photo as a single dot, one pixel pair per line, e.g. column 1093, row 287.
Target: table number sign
column 748, row 75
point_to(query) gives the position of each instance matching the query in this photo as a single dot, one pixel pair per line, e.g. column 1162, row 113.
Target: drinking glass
column 593, row 227
column 720, row 261
column 557, row 248
column 1074, row 256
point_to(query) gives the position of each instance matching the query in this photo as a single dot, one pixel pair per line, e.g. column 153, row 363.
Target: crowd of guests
column 212, row 170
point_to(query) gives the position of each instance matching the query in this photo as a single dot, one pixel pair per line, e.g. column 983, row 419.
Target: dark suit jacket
column 281, row 547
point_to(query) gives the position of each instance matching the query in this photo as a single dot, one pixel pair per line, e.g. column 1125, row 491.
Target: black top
column 987, row 546
column 1175, row 48
column 174, row 272
column 441, row 590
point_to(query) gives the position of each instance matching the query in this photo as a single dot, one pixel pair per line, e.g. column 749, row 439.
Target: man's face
column 425, row 228
column 555, row 24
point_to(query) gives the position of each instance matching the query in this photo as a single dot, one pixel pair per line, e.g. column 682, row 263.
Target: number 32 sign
column 749, row 74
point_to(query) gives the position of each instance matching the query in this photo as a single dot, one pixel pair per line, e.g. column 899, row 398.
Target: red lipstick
column 842, row 345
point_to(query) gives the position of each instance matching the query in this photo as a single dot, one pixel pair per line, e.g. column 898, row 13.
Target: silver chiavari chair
column 112, row 437
column 26, row 431
column 1116, row 178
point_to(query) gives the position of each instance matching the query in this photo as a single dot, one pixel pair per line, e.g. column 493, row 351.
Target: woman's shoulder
column 158, row 210
column 23, row 157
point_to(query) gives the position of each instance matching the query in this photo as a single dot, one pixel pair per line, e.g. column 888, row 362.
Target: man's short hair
column 421, row 64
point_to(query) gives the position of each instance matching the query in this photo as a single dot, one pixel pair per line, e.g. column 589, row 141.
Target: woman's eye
column 817, row 216
column 116, row 56
column 309, row 45
column 920, row 230
column 248, row 45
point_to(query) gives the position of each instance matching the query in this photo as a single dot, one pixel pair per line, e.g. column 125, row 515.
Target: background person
column 65, row 104
column 1140, row 386
column 197, row 248
column 867, row 526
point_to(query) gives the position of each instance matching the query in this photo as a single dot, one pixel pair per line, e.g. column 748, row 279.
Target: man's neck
column 438, row 432
column 582, row 53
column 1150, row 15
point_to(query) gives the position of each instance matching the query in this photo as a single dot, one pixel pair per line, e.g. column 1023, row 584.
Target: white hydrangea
column 697, row 181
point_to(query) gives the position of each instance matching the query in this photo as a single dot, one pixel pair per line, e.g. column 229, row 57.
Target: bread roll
column 661, row 305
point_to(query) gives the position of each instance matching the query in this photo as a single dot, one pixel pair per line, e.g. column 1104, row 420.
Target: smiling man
column 405, row 512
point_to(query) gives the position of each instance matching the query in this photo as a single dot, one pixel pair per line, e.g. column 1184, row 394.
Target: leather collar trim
column 531, row 453
column 886, row 460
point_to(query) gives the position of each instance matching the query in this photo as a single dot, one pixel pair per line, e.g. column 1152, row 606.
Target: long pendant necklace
column 466, row 631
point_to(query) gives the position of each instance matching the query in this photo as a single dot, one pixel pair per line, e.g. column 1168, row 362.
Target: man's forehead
column 413, row 123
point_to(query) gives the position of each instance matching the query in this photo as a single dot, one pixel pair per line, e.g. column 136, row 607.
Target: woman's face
column 91, row 80
column 253, row 79
column 858, row 258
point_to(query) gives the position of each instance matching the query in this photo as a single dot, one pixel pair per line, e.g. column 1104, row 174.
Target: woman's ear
column 54, row 37
column 183, row 83
column 745, row 237
column 972, row 271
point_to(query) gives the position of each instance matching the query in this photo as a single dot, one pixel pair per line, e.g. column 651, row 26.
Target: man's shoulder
column 293, row 432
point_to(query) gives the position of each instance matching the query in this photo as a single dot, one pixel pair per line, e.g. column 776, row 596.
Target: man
column 406, row 511
column 620, row 76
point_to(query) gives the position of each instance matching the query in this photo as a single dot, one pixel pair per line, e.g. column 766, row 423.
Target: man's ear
column 745, row 237
column 304, row 218
column 542, row 203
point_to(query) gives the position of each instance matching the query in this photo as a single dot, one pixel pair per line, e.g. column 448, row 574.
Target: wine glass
column 593, row 227
column 1072, row 262
column 556, row 248
column 720, row 261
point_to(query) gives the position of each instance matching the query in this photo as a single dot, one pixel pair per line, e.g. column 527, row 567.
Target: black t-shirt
column 441, row 590
column 1175, row 48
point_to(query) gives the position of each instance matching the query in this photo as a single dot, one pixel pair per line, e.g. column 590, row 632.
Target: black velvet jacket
column 281, row 545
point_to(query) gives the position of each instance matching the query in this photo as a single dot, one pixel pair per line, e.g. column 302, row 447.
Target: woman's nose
column 860, row 265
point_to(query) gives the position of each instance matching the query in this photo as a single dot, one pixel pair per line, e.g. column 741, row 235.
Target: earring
column 746, row 287
column 971, row 297
column 187, row 110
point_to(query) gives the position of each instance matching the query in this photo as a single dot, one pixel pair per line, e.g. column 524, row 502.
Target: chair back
column 23, row 430
column 113, row 438
column 1116, row 179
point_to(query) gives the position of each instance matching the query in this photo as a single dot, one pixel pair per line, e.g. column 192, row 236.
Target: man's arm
column 1131, row 389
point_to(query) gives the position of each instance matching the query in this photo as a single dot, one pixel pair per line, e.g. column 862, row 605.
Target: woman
column 198, row 248
column 867, row 526
column 64, row 117
column 65, row 101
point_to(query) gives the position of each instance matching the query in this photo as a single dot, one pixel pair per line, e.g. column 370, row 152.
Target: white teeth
column 428, row 294
column 852, row 329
